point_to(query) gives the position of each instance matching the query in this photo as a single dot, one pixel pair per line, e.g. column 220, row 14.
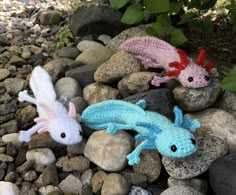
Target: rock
column 10, row 126
column 20, row 157
column 26, row 55
column 8, row 188
column 95, row 19
column 27, row 166
column 5, row 98
column 150, row 165
column 26, row 115
column 15, row 85
column 17, row 61
column 209, row 149
column 222, row 174
column 86, row 177
column 136, row 179
column 48, row 189
column 77, row 163
column 7, row 117
column 135, row 83
column 67, row 87
column 97, row 181
column 104, row 38
column 116, row 68
column 97, row 92
column 77, row 149
column 80, row 104
column 109, row 151
column 114, row 43
column 158, row 100
column 49, row 175
column 71, row 184
column 86, row 190
column 87, row 45
column 11, row 177
column 41, row 156
column 195, row 183
column 115, row 184
column 7, row 108
column 136, row 190
column 218, row 123
column 30, row 176
column 191, row 100
column 49, row 17
column 11, row 150
column 84, row 74
column 68, row 52
column 4, row 73
column 94, row 56
column 183, row 190
column 13, row 138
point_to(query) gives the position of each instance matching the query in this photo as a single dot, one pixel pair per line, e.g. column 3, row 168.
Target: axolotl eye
column 63, row 135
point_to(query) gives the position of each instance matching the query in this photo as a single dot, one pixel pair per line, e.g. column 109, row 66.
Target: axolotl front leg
column 24, row 96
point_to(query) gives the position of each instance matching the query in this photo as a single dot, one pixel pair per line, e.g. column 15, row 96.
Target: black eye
column 207, row 78
column 81, row 133
column 173, row 148
column 63, row 135
column 193, row 141
column 190, row 79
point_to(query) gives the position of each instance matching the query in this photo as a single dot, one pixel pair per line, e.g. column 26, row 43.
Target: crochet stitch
column 156, row 53
column 53, row 116
column 175, row 140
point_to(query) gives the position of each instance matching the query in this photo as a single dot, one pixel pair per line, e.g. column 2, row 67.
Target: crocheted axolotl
column 156, row 53
column 175, row 140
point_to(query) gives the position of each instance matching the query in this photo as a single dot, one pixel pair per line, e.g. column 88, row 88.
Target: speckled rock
column 41, row 156
column 209, row 149
column 7, row 188
column 4, row 73
column 195, row 183
column 13, row 138
column 135, row 83
column 94, row 56
column 16, row 60
column 49, row 175
column 49, row 17
column 68, row 52
column 136, row 190
column 183, row 190
column 6, row 158
column 87, row 45
column 68, row 87
column 15, row 85
column 109, row 151
column 26, row 115
column 48, row 189
column 86, row 177
column 104, row 38
column 115, row 184
column 150, row 165
column 117, row 67
column 71, row 184
column 219, row 123
column 97, row 181
column 197, row 99
column 97, row 92
column 10, row 126
column 30, row 176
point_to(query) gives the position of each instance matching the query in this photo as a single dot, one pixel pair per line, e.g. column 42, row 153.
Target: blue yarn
column 174, row 140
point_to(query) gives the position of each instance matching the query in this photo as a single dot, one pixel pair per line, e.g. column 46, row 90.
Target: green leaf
column 208, row 4
column 177, row 37
column 229, row 82
column 187, row 17
column 207, row 25
column 157, row 6
column 161, row 25
column 133, row 14
column 117, row 4
column 151, row 31
column 176, row 6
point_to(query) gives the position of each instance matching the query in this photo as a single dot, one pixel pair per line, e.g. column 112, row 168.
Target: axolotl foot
column 24, row 136
column 133, row 159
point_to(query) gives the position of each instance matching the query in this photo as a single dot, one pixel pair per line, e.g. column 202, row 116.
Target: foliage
column 189, row 13
column 63, row 37
column 229, row 81
column 232, row 13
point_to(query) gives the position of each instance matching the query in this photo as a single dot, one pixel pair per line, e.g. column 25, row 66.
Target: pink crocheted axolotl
column 156, row 53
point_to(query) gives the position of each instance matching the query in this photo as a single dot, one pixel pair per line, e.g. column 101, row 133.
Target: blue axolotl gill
column 174, row 140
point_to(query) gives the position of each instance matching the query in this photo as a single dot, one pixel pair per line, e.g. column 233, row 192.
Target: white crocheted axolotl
column 62, row 125
column 156, row 53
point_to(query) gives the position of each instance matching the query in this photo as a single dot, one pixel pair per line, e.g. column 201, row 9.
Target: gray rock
column 10, row 126
column 77, row 149
column 197, row 184
column 11, row 149
column 68, row 87
column 15, row 85
column 30, row 176
column 97, row 181
column 80, row 104
column 12, row 137
column 26, row 115
column 4, row 73
column 2, row 174
column 17, row 61
column 209, row 149
column 136, row 190
column 84, row 74
column 49, row 175
column 86, row 177
column 5, row 98
column 48, row 189
column 116, row 68
column 8, row 188
column 115, row 184
column 136, row 179
column 28, row 165
column 68, row 52
column 95, row 19
column 197, row 99
column 135, row 83
column 183, row 190
column 26, row 55
column 6, row 158
column 87, row 45
column 150, row 165
column 49, row 17
column 94, row 56
column 222, row 174
column 109, row 151
column 218, row 123
column 7, row 117
column 86, row 190
column 104, row 38
column 7, row 108
column 158, row 100
column 11, row 177
column 71, row 184
column 97, row 92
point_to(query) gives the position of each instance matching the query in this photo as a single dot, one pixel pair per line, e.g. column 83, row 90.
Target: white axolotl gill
column 62, row 125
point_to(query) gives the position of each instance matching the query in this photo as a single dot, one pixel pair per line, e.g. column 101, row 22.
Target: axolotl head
column 192, row 74
column 176, row 142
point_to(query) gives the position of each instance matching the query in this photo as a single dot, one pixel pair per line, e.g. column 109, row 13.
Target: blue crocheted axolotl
column 175, row 140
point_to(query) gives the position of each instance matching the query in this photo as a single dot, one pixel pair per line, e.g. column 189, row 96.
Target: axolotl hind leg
column 112, row 128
